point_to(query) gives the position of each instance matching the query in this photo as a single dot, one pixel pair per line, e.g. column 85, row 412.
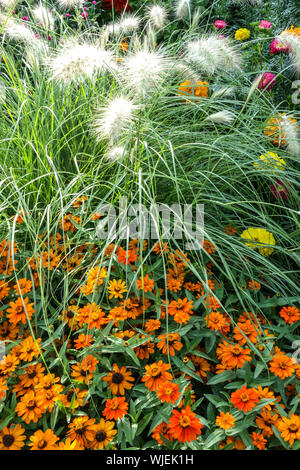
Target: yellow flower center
column 184, row 421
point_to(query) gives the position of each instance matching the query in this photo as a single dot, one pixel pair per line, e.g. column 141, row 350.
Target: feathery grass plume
column 293, row 42
column 224, row 91
column 9, row 4
column 212, row 54
column 114, row 119
column 158, row 16
column 129, row 24
column 221, row 117
column 184, row 72
column 36, row 55
column 195, row 20
column 115, row 153
column 183, row 9
column 144, row 70
column 70, row 4
column 16, row 30
column 290, row 131
column 150, row 39
column 78, row 60
column 43, row 16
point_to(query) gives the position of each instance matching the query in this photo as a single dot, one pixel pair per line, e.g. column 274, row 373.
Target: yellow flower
column 116, row 289
column 259, row 238
column 242, row 34
column 270, row 161
column 199, row 88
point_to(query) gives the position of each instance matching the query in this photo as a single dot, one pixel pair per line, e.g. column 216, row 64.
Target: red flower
column 119, row 5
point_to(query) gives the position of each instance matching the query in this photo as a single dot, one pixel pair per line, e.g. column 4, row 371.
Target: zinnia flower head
column 270, row 161
column 220, row 24
column 184, row 425
column 265, row 24
column 242, row 34
column 267, row 81
column 259, row 238
column 245, row 398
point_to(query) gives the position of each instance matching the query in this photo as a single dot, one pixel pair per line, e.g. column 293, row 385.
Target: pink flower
column 220, row 24
column 277, row 47
column 85, row 15
column 265, row 24
column 279, row 190
column 267, row 81
column 25, row 18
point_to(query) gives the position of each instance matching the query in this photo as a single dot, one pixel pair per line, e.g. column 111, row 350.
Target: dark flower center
column 32, row 374
column 100, row 436
column 42, row 444
column 81, row 431
column 117, row 378
column 70, row 395
column 8, row 440
column 70, row 314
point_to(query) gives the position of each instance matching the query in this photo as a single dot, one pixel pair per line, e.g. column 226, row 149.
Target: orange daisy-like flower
column 156, row 374
column 218, row 322
column 145, row 283
column 144, row 350
column 126, row 256
column 290, row 314
column 103, row 434
column 116, row 289
column 258, row 440
column 152, row 325
column 83, row 341
column 289, row 428
column 119, row 380
column 233, row 355
column 23, row 286
column 202, row 366
column 30, row 407
column 70, row 445
column 181, row 310
column 3, row 388
column 32, row 376
column 282, row 365
column 43, row 440
column 245, row 398
column 115, row 408
column 69, row 315
column 8, row 365
column 198, row 89
column 254, row 285
column 91, row 315
column 169, row 343
column 12, row 437
column 20, row 310
column 265, row 420
column 29, row 348
column 74, row 398
column 83, row 371
column 225, row 420
column 184, row 425
column 164, row 430
column 161, row 247
column 4, row 290
column 94, row 279
column 245, row 331
column 168, row 392
column 81, row 429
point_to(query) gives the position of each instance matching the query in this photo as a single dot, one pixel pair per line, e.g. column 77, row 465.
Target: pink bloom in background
column 267, row 81
column 84, row 15
column 265, row 24
column 277, row 47
column 279, row 190
column 25, row 18
column 220, row 24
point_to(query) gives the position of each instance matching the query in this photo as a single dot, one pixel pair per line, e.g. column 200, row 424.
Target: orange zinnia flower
column 225, row 420
column 145, row 283
column 83, row 341
column 156, row 374
column 162, row 429
column 119, row 380
column 81, row 429
column 181, row 310
column 290, row 314
column 168, row 392
column 169, row 343
column 43, row 440
column 23, row 286
column 116, row 289
column 30, row 407
column 289, row 428
column 152, row 325
column 184, row 425
column 282, row 365
column 258, row 440
column 245, row 330
column 20, row 310
column 115, row 408
column 245, row 398
column 29, row 348
column 91, row 315
column 233, row 355
column 126, row 256
column 103, row 434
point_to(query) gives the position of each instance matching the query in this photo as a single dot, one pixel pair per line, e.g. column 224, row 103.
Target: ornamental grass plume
column 221, row 117
column 70, row 4
column 77, row 60
column 144, row 70
column 158, row 16
column 16, row 30
column 9, row 4
column 114, row 119
column 129, row 24
column 183, row 9
column 212, row 54
column 43, row 16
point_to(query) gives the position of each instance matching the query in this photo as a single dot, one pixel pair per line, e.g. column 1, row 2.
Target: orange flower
column 245, row 398
column 83, row 341
column 70, row 445
column 245, row 331
column 290, row 314
column 162, row 429
column 161, row 247
column 233, row 355
column 168, row 392
column 265, row 420
column 152, row 325
column 145, row 283
column 91, row 315
column 258, row 440
column 225, row 420
column 115, row 408
column 3, row 388
column 30, row 407
column 81, row 430
column 12, row 438
column 198, row 89
column 184, row 425
column 156, row 374
column 116, row 289
column 144, row 350
column 289, row 428
column 169, row 343
column 94, row 280
column 126, row 256
column 43, row 440
column 29, row 348
column 8, row 365
column 20, row 310
column 119, row 380
column 217, row 321
column 23, row 286
column 4, row 290
column 103, row 434
column 181, row 310
column 254, row 285
column 74, row 398
column 282, row 365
